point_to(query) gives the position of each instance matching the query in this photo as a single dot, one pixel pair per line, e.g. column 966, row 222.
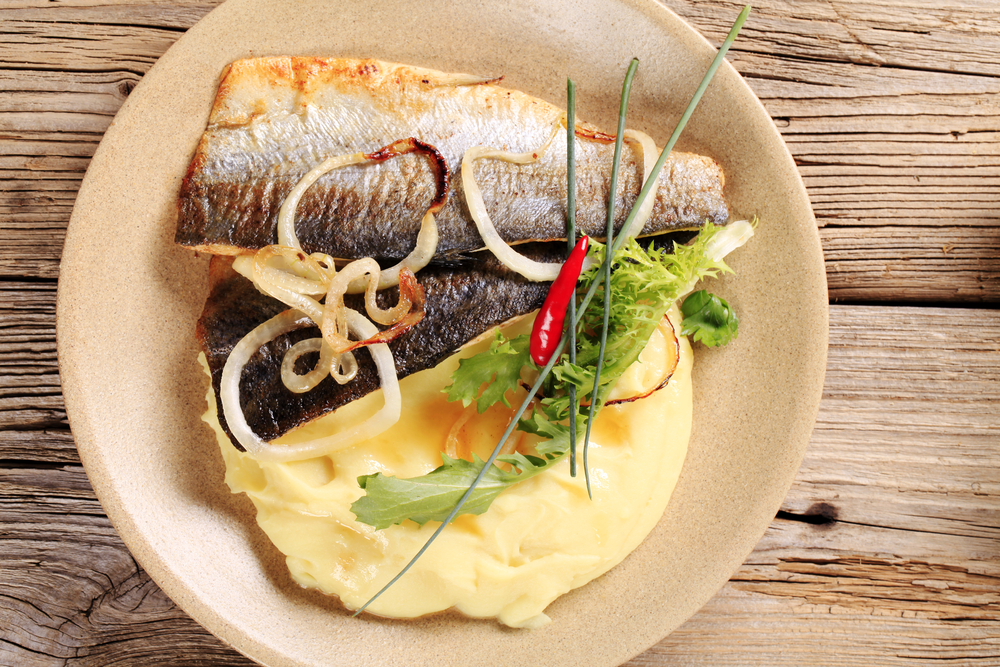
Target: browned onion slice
column 413, row 293
column 666, row 327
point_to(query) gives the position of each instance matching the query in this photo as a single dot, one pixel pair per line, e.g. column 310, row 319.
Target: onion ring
column 513, row 260
column 286, row 214
column 427, row 237
column 405, row 314
column 649, row 155
column 419, row 257
column 666, row 327
column 342, row 368
column 291, row 320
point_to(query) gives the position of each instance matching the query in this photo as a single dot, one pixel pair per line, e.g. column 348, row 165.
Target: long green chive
column 658, row 167
column 648, row 186
column 482, row 473
column 570, row 243
column 608, row 256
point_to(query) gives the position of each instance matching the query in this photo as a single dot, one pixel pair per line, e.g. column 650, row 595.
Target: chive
column 658, row 167
column 570, row 243
column 648, row 186
column 482, row 473
column 608, row 256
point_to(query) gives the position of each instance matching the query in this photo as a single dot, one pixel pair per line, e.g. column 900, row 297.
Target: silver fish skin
column 274, row 119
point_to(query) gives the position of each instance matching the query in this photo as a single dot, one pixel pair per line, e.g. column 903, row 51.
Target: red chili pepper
column 547, row 330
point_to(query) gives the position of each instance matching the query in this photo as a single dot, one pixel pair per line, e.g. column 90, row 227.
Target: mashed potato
column 539, row 539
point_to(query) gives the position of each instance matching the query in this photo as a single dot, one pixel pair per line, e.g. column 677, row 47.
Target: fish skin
column 276, row 118
column 465, row 299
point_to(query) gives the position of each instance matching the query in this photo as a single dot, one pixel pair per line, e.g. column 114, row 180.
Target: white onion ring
column 452, row 444
column 300, row 302
column 333, row 325
column 290, row 320
column 649, row 155
column 513, row 260
column 286, row 214
column 669, row 333
column 276, row 277
column 419, row 257
column 328, row 364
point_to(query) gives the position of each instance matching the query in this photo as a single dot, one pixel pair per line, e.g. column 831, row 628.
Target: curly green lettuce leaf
column 709, row 319
column 500, row 366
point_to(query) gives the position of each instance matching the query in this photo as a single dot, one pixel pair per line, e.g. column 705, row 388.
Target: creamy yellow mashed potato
column 539, row 539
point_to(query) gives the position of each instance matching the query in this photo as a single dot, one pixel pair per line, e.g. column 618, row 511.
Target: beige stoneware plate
column 128, row 301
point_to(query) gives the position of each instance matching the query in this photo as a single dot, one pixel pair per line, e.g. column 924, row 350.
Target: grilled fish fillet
column 274, row 119
column 464, row 300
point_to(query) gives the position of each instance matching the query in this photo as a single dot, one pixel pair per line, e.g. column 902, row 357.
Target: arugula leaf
column 500, row 366
column 391, row 500
column 709, row 318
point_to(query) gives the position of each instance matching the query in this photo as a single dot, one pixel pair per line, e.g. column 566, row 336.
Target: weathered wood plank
column 885, row 552
column 863, row 97
column 52, row 114
column 41, row 447
column 67, row 483
column 70, row 46
column 961, row 37
column 912, row 142
column 745, row 628
column 920, row 263
column 920, row 133
column 169, row 14
column 73, row 595
column 30, row 393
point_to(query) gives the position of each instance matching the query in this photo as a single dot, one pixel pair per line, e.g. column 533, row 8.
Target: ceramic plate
column 128, row 301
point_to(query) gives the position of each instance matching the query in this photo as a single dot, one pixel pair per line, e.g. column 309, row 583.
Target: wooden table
column 887, row 549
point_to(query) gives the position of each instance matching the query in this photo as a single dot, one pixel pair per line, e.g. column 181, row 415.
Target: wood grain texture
column 888, row 541
column 73, row 595
column 30, row 395
column 890, row 110
column 886, row 550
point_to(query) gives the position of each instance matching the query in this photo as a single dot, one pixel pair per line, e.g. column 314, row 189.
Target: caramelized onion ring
column 406, row 313
column 300, row 384
column 286, row 214
column 419, row 257
column 290, row 320
column 342, row 368
column 666, row 328
column 427, row 237
column 283, row 285
column 411, row 291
